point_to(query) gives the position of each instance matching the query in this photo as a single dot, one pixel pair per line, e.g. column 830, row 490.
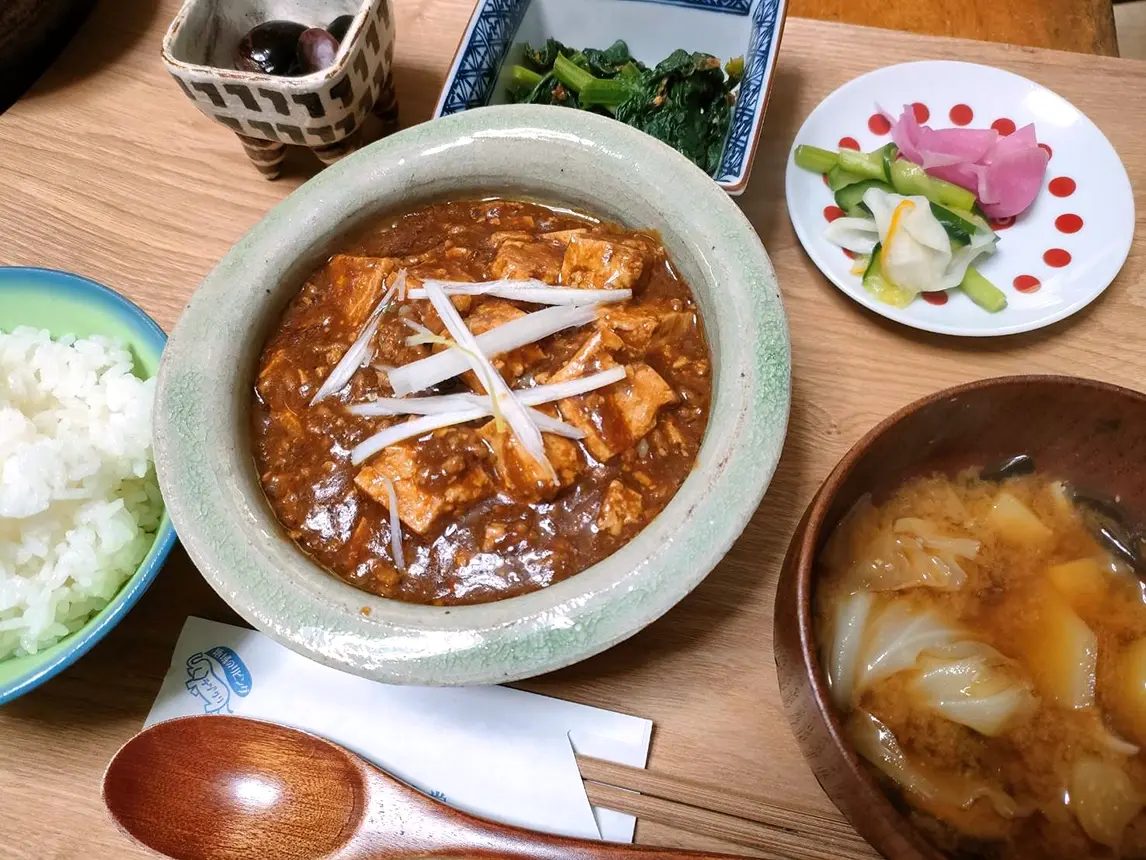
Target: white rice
column 79, row 504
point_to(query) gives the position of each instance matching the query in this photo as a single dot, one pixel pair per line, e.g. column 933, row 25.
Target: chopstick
column 707, row 810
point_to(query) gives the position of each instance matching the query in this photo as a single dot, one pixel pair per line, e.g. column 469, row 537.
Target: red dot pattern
column 851, row 255
column 1068, row 223
column 878, row 124
column 1057, row 258
column 998, row 224
column 922, row 113
column 831, row 213
column 1047, row 150
column 962, row 115
column 1062, row 186
column 1004, row 126
column 849, row 143
column 939, row 298
column 1027, row 283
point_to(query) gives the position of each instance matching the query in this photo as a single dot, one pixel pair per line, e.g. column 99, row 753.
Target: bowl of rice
column 83, row 530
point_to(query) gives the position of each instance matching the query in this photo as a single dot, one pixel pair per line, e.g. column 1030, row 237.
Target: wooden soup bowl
column 1089, row 433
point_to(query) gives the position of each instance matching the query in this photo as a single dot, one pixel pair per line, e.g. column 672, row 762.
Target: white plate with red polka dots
column 1052, row 260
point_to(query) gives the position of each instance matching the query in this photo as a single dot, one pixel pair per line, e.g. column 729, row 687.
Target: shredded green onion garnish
column 426, row 337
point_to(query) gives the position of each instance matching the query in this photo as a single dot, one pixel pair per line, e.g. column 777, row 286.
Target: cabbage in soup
column 986, row 650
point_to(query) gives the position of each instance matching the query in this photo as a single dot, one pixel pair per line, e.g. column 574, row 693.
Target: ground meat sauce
column 479, row 523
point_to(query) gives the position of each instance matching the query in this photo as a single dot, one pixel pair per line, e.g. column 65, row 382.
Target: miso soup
column 985, row 645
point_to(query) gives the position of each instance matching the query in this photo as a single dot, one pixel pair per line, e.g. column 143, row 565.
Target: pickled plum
column 317, row 49
column 270, row 48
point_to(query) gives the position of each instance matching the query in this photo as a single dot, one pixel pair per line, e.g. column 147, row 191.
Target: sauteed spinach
column 686, row 100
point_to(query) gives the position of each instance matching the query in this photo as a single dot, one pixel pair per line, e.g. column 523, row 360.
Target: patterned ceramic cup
column 323, row 111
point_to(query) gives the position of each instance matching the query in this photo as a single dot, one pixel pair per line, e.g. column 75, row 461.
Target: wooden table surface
column 107, row 170
column 1086, row 26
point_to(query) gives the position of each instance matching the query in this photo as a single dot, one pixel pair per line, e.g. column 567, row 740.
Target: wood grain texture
column 1086, row 26
column 779, row 843
column 108, row 171
column 230, row 788
column 1130, row 19
column 718, row 810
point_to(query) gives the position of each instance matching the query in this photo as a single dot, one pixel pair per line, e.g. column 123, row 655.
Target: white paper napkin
column 495, row 752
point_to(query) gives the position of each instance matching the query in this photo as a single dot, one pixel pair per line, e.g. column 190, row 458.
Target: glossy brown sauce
column 477, row 523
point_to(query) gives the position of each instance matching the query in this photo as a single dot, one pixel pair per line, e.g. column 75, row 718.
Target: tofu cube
column 638, row 325
column 518, row 260
column 278, row 378
column 563, row 236
column 601, row 264
column 616, row 417
column 640, row 397
column 490, row 314
column 633, row 325
column 595, row 354
column 357, row 283
column 519, row 474
column 620, row 507
column 419, row 506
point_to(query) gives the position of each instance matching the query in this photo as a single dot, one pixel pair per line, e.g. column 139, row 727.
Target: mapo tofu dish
column 477, row 399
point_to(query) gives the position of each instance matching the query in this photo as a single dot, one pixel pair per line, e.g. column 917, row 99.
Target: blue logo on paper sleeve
column 213, row 675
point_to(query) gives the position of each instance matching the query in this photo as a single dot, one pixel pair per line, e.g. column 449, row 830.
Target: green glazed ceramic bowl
column 571, row 158
column 69, row 304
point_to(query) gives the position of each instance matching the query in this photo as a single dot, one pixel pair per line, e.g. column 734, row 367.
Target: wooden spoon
column 229, row 788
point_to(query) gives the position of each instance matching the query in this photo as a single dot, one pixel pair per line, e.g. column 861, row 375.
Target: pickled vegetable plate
column 1053, row 260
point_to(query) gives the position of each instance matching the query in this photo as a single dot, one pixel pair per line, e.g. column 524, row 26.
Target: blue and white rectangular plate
column 653, row 29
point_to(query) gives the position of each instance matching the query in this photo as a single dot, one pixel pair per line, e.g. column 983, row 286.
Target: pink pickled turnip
column 1023, row 138
column 1013, row 181
column 954, row 145
column 1005, row 172
column 1013, row 174
column 904, row 133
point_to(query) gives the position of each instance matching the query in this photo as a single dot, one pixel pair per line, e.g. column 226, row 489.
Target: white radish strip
column 395, row 525
column 532, row 291
column 440, row 405
column 548, row 424
column 367, row 448
column 477, row 288
column 573, row 387
column 400, row 283
column 857, row 235
column 448, row 404
column 444, row 403
column 359, row 353
column 520, row 421
column 420, row 375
